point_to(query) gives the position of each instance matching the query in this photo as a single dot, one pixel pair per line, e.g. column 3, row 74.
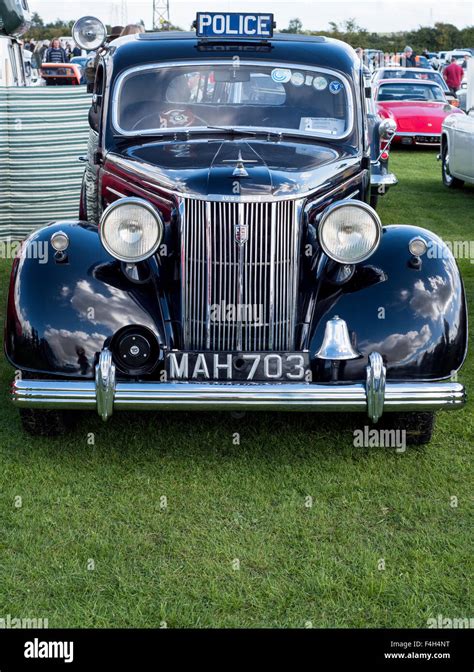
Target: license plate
column 427, row 139
column 246, row 366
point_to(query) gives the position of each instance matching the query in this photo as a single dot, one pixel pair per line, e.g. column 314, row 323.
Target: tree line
column 440, row 37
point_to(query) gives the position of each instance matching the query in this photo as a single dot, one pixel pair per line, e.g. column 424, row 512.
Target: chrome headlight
column 131, row 229
column 349, row 231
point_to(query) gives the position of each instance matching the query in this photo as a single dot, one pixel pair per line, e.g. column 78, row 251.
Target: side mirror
column 387, row 129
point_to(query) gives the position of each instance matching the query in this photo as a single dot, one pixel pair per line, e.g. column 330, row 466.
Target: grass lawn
column 93, row 544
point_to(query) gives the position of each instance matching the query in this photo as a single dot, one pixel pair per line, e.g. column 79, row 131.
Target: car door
column 461, row 153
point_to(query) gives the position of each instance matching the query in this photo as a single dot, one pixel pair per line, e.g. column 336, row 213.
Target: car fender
column 414, row 316
column 61, row 313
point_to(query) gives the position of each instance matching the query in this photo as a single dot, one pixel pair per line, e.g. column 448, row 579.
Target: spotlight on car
column 89, row 33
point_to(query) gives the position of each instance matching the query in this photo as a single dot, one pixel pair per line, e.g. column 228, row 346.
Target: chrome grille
column 239, row 297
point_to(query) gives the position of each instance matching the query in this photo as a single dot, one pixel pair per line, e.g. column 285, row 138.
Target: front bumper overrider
column 106, row 395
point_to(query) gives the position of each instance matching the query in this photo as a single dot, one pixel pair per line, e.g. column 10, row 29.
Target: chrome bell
column 336, row 342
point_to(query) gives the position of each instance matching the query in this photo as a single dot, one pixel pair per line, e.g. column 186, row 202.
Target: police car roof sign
column 234, row 25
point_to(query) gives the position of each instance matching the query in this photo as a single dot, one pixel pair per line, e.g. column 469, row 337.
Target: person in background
column 68, row 50
column 76, row 51
column 55, row 53
column 434, row 62
column 43, row 49
column 360, row 53
column 38, row 55
column 132, row 29
column 465, row 61
column 114, row 33
column 408, row 58
column 453, row 74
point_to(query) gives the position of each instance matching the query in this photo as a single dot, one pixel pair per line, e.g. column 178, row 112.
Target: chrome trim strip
column 117, row 193
column 184, row 275
column 410, row 134
column 295, row 271
column 271, row 289
column 228, row 396
column 210, row 283
column 240, row 268
column 229, row 61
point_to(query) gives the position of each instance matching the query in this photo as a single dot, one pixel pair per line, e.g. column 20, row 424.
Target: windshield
column 413, row 74
column 396, row 92
column 262, row 97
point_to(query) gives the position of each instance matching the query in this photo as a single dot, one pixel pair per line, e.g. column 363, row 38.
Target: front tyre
column 374, row 200
column 419, row 427
column 448, row 179
column 45, row 423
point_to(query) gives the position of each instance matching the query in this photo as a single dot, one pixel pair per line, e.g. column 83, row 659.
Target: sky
column 375, row 15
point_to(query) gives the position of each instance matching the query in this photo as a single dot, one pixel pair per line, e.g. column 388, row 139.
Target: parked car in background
column 225, row 247
column 442, row 58
column 422, row 62
column 81, row 61
column 423, row 74
column 61, row 74
column 462, row 98
column 381, row 178
column 458, row 54
column 418, row 108
column 457, row 141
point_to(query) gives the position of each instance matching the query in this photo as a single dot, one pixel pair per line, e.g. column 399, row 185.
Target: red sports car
column 418, row 107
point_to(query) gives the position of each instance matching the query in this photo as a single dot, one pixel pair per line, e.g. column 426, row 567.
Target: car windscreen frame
column 115, row 99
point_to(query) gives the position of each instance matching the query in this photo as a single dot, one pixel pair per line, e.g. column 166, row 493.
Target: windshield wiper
column 232, row 131
column 269, row 133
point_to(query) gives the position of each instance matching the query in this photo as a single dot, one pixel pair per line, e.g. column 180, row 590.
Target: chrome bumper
column 374, row 397
column 387, row 180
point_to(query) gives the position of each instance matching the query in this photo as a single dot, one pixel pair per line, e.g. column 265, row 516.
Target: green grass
column 245, row 502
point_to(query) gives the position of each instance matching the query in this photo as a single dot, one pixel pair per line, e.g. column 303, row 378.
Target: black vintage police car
column 225, row 256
